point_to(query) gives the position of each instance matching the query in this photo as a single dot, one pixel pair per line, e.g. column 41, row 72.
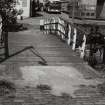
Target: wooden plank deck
column 49, row 47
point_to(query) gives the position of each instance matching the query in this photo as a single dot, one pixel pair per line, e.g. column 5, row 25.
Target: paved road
column 66, row 74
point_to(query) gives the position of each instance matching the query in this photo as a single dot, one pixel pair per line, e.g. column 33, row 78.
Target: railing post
column 62, row 30
column 42, row 24
column 45, row 26
column 74, row 39
column 69, row 35
column 48, row 26
column 54, row 28
column 1, row 31
column 83, row 47
column 50, row 23
column 60, row 27
column 47, row 31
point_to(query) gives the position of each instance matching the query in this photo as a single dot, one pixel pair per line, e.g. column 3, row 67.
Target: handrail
column 75, row 26
column 71, row 33
column 63, row 29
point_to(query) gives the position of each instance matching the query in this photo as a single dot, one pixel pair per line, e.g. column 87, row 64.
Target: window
column 87, row 14
column 92, row 14
column 82, row 14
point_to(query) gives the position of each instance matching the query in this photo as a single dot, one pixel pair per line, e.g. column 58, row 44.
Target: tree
column 7, row 12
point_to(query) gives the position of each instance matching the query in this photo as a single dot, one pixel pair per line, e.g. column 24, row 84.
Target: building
column 93, row 8
column 64, row 6
column 87, row 8
column 25, row 6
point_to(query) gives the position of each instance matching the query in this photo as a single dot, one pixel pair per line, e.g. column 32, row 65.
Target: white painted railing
column 74, row 39
column 0, row 29
column 72, row 35
column 69, row 35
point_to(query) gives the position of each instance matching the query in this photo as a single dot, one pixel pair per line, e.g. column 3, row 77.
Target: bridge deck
column 24, row 69
column 49, row 47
